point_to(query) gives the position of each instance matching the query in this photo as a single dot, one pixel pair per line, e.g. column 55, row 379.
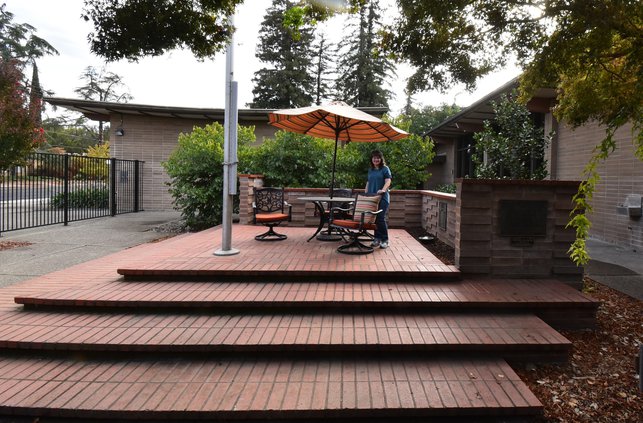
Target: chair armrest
column 334, row 210
column 286, row 204
column 364, row 213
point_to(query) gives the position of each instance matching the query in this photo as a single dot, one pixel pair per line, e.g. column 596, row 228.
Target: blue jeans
column 381, row 232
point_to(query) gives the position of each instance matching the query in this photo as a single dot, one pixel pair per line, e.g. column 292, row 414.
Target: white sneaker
column 375, row 243
column 384, row 244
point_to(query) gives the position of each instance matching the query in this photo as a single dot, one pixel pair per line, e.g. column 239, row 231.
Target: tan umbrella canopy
column 338, row 121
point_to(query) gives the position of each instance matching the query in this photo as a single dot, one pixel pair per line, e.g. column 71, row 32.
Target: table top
column 328, row 199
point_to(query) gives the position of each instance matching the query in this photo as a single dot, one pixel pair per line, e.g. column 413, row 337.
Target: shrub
column 292, row 160
column 295, row 160
column 511, row 146
column 83, row 198
column 92, row 166
column 448, row 188
column 196, row 171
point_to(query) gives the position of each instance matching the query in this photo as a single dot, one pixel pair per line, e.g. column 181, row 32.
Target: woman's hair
column 378, row 153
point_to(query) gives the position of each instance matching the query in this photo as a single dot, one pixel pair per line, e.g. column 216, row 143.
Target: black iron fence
column 61, row 188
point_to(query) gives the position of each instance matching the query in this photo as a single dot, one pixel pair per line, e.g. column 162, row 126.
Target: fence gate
column 61, row 188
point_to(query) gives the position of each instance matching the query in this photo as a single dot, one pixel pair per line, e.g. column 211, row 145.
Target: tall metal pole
column 229, row 152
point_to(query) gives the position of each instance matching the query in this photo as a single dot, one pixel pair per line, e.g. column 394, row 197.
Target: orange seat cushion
column 271, row 217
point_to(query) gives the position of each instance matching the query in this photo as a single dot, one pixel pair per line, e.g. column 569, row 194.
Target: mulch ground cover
column 600, row 382
column 8, row 245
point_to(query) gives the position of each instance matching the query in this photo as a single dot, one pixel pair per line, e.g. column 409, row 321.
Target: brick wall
column 405, row 210
column 430, row 215
column 480, row 248
column 152, row 140
column 621, row 174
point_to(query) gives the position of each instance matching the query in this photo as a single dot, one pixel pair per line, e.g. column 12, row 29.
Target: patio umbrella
column 336, row 120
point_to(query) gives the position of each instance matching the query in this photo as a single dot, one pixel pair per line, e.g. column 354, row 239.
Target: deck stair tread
column 262, row 388
column 407, row 332
column 506, row 293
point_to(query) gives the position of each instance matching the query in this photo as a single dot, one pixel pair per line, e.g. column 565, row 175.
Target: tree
column 102, row 85
column 19, row 46
column 35, row 95
column 590, row 50
column 134, row 29
column 422, row 120
column 18, row 131
column 510, row 146
column 362, row 69
column 323, row 66
column 407, row 158
column 289, row 81
column 71, row 134
column 19, row 41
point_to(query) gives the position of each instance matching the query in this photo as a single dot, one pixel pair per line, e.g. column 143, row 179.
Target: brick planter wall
column 431, row 203
column 479, row 247
column 405, row 210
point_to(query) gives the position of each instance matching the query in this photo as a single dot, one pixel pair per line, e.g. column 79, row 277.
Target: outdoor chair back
column 269, row 208
column 363, row 214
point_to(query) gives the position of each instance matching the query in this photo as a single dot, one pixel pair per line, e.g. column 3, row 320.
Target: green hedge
column 83, row 198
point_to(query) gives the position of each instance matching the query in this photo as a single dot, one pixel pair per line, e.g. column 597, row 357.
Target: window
column 464, row 164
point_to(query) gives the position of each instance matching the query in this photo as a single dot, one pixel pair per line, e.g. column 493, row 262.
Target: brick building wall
column 152, row 140
column 621, row 174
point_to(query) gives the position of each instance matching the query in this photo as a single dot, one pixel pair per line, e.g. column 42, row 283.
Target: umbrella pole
column 332, row 180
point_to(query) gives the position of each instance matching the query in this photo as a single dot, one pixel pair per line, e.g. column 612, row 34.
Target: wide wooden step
column 262, row 389
column 509, row 293
column 555, row 302
column 513, row 336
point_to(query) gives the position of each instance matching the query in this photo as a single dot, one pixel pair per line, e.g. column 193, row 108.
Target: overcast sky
column 176, row 78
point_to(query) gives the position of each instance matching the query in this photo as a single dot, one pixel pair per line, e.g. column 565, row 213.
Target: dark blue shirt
column 376, row 180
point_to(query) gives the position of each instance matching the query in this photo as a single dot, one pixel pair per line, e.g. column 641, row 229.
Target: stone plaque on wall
column 523, row 218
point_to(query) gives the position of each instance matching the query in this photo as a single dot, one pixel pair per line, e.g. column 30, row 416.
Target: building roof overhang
column 102, row 110
column 472, row 118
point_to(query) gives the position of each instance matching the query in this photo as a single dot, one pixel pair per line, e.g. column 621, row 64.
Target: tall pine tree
column 289, row 79
column 323, row 65
column 362, row 70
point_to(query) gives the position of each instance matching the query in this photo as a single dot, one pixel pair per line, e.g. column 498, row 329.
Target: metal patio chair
column 269, row 209
column 364, row 211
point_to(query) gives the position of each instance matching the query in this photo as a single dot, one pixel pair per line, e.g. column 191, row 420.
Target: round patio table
column 318, row 201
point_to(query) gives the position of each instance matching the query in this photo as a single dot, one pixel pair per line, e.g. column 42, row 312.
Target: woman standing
column 379, row 181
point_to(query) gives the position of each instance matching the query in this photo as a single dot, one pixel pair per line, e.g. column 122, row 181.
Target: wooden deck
column 282, row 331
column 294, row 257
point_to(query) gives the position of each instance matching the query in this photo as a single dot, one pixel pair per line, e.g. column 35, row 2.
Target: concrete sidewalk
column 617, row 267
column 57, row 247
